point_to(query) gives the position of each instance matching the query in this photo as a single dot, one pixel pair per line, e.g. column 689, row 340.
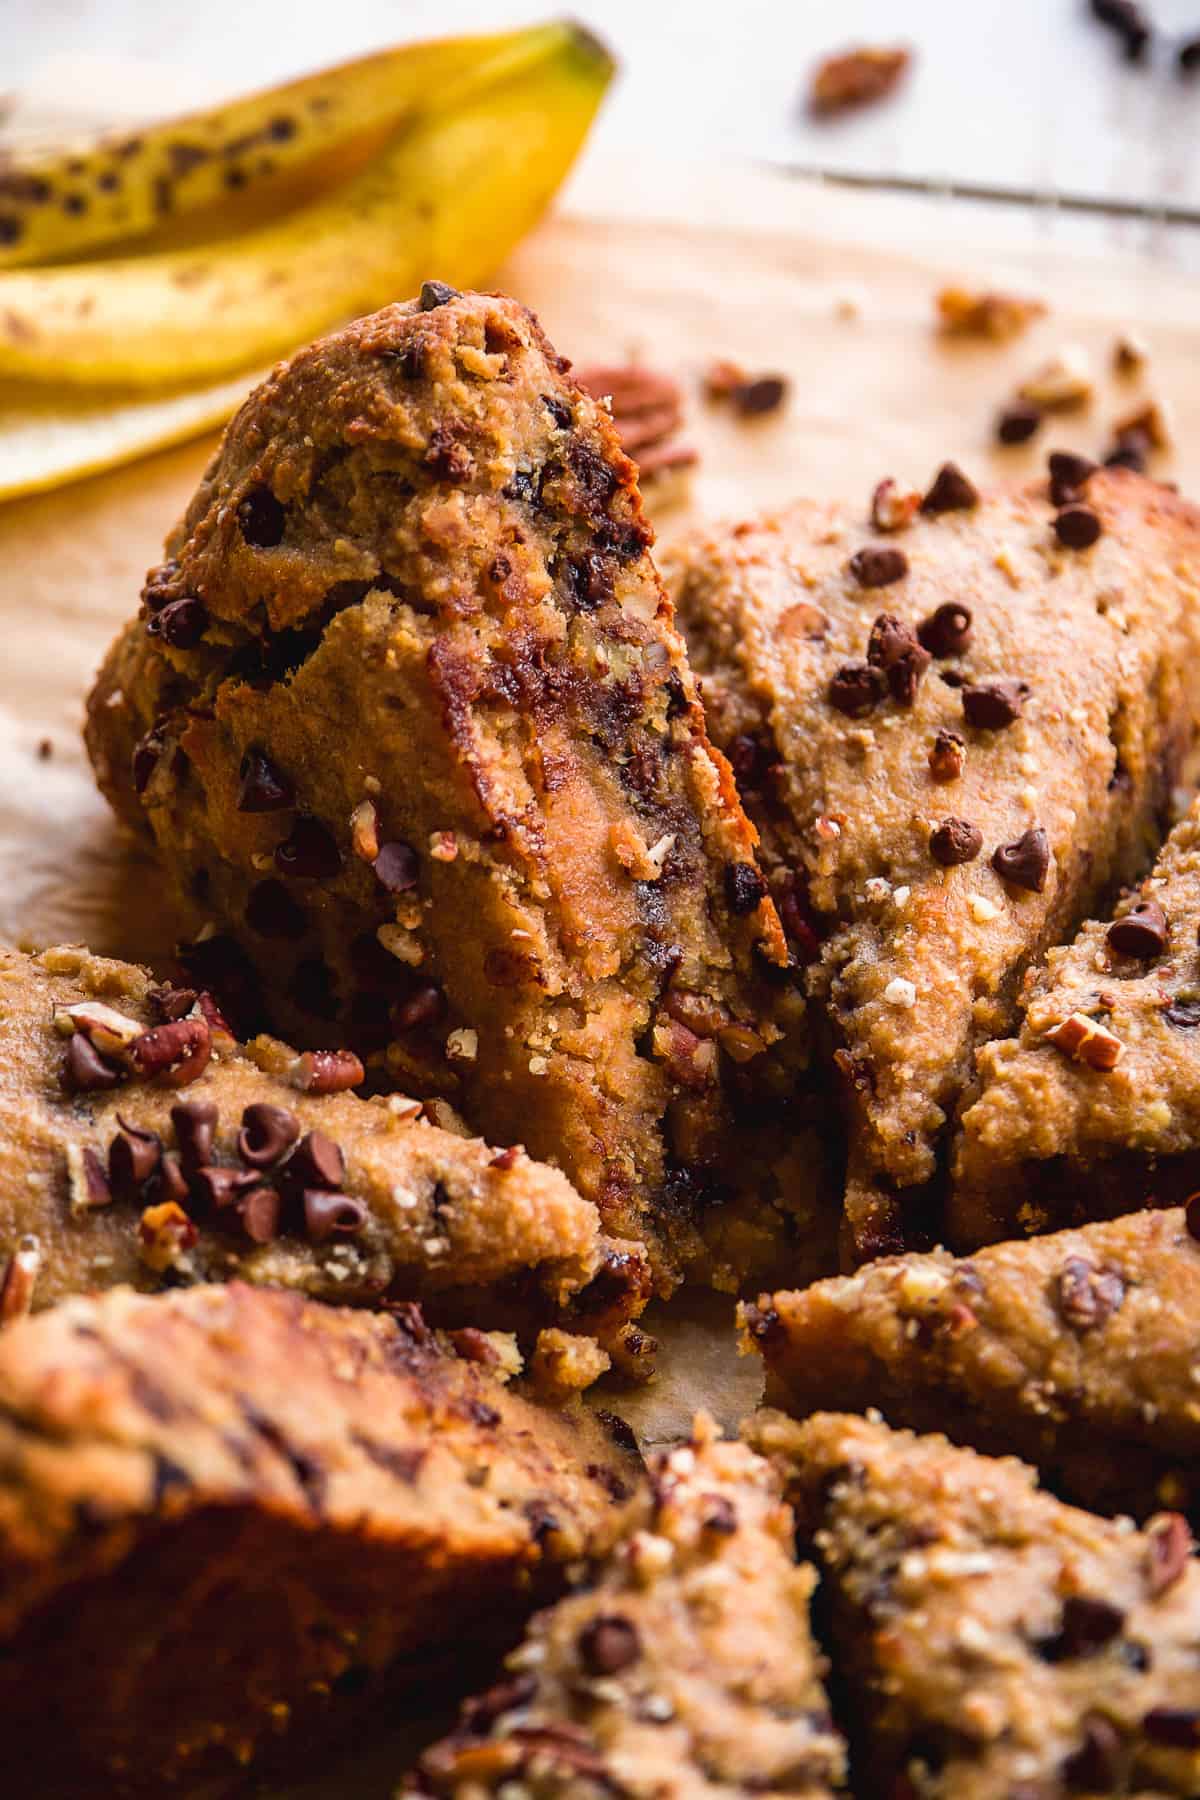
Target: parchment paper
column 831, row 291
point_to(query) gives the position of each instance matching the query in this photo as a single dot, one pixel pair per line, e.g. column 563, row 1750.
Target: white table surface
column 1009, row 93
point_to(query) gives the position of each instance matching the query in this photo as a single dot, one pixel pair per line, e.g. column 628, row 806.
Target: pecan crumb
column 857, row 77
column 19, row 1279
column 986, row 313
column 894, row 507
column 1083, row 1040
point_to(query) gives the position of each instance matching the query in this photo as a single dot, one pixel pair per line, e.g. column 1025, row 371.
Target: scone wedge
column 229, row 1518
column 992, row 1643
column 140, row 1143
column 1094, row 1109
column 407, row 716
column 685, row 1668
column 955, row 735
column 1076, row 1351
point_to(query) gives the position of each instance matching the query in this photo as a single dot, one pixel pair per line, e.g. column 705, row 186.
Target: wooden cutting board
column 833, row 291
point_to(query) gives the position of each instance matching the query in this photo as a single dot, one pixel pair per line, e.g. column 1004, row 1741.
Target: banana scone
column 1076, row 1351
column 140, row 1143
column 685, row 1667
column 229, row 1517
column 1094, row 1109
column 990, row 1642
column 957, row 724
column 407, row 715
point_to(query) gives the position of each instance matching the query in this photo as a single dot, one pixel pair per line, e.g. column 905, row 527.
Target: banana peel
column 449, row 196
column 215, row 171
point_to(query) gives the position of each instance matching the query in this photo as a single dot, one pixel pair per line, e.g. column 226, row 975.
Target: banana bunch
column 187, row 257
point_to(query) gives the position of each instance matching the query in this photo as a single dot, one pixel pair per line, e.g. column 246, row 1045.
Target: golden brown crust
column 1075, row 1351
column 115, row 1189
column 686, row 1667
column 900, row 776
column 1095, row 1108
column 225, row 1511
column 993, row 1643
column 414, row 725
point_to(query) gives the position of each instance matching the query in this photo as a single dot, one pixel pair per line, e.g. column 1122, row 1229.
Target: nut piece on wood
column 986, row 313
column 1062, row 384
column 857, row 77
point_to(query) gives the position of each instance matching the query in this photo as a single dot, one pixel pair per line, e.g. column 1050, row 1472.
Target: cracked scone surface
column 685, row 1668
column 1076, row 1351
column 149, row 1182
column 407, row 715
column 1049, row 1138
column 1045, row 723
column 229, row 1513
column 992, row 1643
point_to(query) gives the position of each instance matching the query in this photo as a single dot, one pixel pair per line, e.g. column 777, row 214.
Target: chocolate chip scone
column 686, row 1667
column 1095, row 1108
column 140, row 1143
column 957, row 725
column 228, row 1517
column 407, row 715
column 1076, row 1351
column 992, row 1643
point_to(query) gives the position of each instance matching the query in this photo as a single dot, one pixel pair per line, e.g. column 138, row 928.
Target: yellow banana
column 229, row 163
column 448, row 197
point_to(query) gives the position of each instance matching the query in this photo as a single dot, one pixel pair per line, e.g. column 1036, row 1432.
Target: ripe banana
column 234, row 161
column 448, row 197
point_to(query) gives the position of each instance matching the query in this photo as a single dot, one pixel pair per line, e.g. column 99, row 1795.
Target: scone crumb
column 564, row 1363
column 983, row 910
column 986, row 313
column 900, row 992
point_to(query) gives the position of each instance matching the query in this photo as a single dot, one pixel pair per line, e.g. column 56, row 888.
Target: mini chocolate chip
column 609, row 1644
column 273, row 913
column 310, row 853
column 263, row 788
column 947, row 755
column 1176, row 1727
column 1129, row 22
column 397, row 867
column 1168, row 1552
column 765, row 394
column 951, row 491
column 856, row 688
column 745, row 888
column 181, row 623
column 878, row 565
column 1183, row 1014
column 326, row 1213
column 1142, row 932
column 947, row 630
column 424, row 1007
column 1188, row 56
column 1095, row 1768
column 267, row 1133
column 720, row 1515
column 1017, row 423
column 435, row 294
column 893, row 647
column 1191, row 1213
column 1026, row 861
column 993, row 705
column 86, row 1071
column 219, row 1187
column 260, row 1212
column 261, row 518
column 1087, row 1296
column 317, row 1162
column 195, row 1122
column 559, row 410
column 1087, row 1626
column 133, row 1157
column 1077, row 527
column 1069, row 474
column 172, row 1182
column 955, row 841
